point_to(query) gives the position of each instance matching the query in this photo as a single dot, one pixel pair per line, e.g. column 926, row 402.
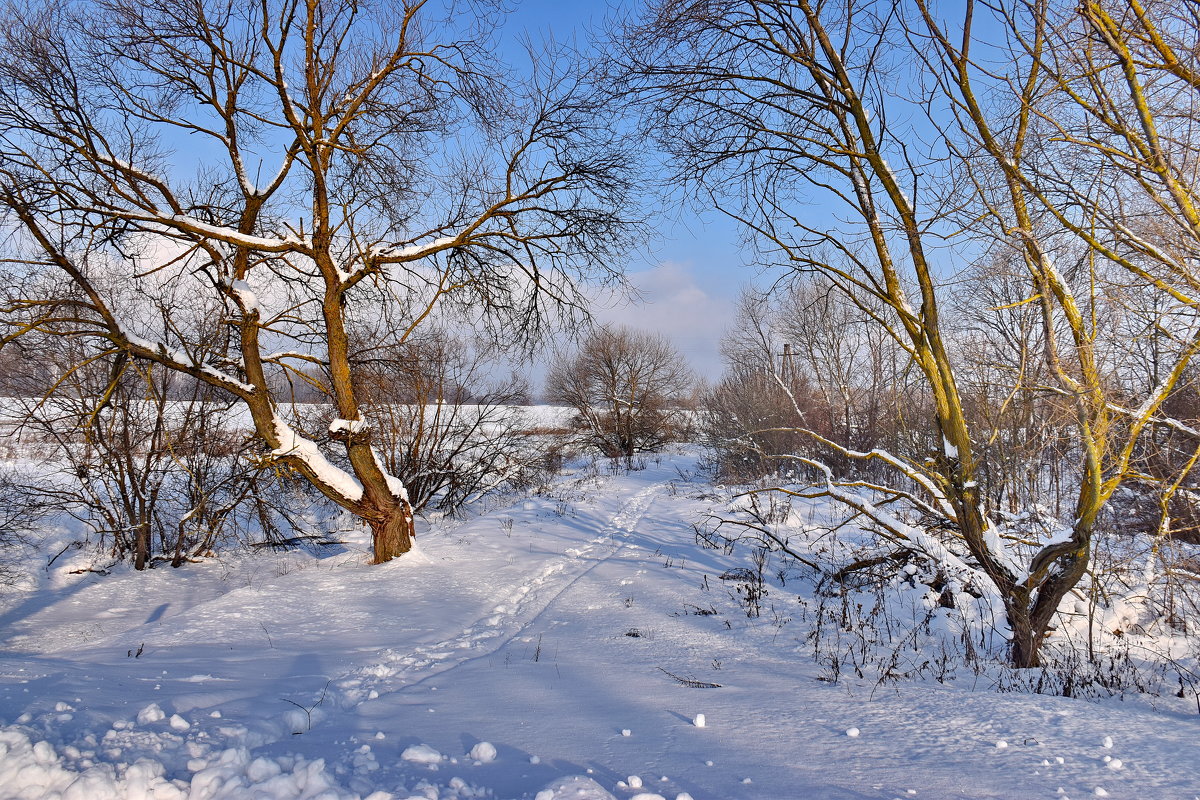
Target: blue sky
column 689, row 273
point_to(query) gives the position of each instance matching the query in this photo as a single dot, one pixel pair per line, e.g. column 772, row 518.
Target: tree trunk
column 141, row 546
column 1025, row 640
column 392, row 533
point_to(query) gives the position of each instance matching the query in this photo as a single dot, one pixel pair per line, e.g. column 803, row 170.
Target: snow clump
column 421, row 754
column 699, row 721
column 483, row 752
column 573, row 787
column 149, row 714
column 29, row 769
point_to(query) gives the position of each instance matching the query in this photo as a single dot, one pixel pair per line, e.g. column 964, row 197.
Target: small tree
column 626, row 388
column 154, row 464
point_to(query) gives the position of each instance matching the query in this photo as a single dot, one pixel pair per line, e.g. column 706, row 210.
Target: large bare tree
column 294, row 166
column 893, row 147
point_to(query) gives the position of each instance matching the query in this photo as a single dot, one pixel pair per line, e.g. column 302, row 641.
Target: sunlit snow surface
column 497, row 661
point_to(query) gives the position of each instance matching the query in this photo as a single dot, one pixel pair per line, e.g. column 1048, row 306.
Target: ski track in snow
column 519, row 609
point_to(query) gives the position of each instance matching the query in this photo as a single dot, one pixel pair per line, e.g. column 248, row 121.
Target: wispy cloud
column 670, row 299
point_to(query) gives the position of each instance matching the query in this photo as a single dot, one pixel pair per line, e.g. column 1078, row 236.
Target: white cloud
column 670, row 300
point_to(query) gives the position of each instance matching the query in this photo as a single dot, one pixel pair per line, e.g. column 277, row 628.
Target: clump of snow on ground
column 484, row 753
column 31, row 770
column 421, row 754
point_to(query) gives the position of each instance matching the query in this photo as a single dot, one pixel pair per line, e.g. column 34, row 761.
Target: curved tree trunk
column 1025, row 644
column 392, row 533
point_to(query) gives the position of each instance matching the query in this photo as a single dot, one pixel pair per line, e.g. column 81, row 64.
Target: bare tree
column 291, row 166
column 805, row 354
column 935, row 160
column 626, row 388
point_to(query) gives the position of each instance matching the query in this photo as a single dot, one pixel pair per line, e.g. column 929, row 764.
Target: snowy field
column 521, row 653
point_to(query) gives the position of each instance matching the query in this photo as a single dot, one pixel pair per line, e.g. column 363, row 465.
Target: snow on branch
column 917, row 538
column 395, row 485
column 231, row 236
column 182, row 361
column 294, row 446
column 394, row 254
column 942, row 505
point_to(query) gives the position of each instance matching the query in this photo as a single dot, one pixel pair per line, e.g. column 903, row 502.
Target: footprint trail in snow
column 523, row 604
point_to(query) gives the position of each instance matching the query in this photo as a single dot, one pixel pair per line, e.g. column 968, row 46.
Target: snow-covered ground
column 519, row 654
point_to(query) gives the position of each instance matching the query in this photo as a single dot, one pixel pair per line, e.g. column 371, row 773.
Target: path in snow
column 540, row 630
column 519, row 607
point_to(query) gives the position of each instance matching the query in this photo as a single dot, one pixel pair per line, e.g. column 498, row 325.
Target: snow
column 31, row 770
column 149, row 714
column 575, row 787
column 498, row 666
column 295, row 445
column 421, row 754
column 484, row 753
column 950, row 450
column 413, row 251
column 233, row 236
column 347, row 426
column 394, row 254
column 184, row 360
column 246, row 296
column 395, row 485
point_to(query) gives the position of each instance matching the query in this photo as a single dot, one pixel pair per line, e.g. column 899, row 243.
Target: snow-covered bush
column 870, row 607
column 152, row 465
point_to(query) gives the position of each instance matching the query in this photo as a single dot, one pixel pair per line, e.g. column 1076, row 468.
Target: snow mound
column 421, row 754
column 484, row 753
column 36, row 770
column 574, row 787
column 149, row 714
